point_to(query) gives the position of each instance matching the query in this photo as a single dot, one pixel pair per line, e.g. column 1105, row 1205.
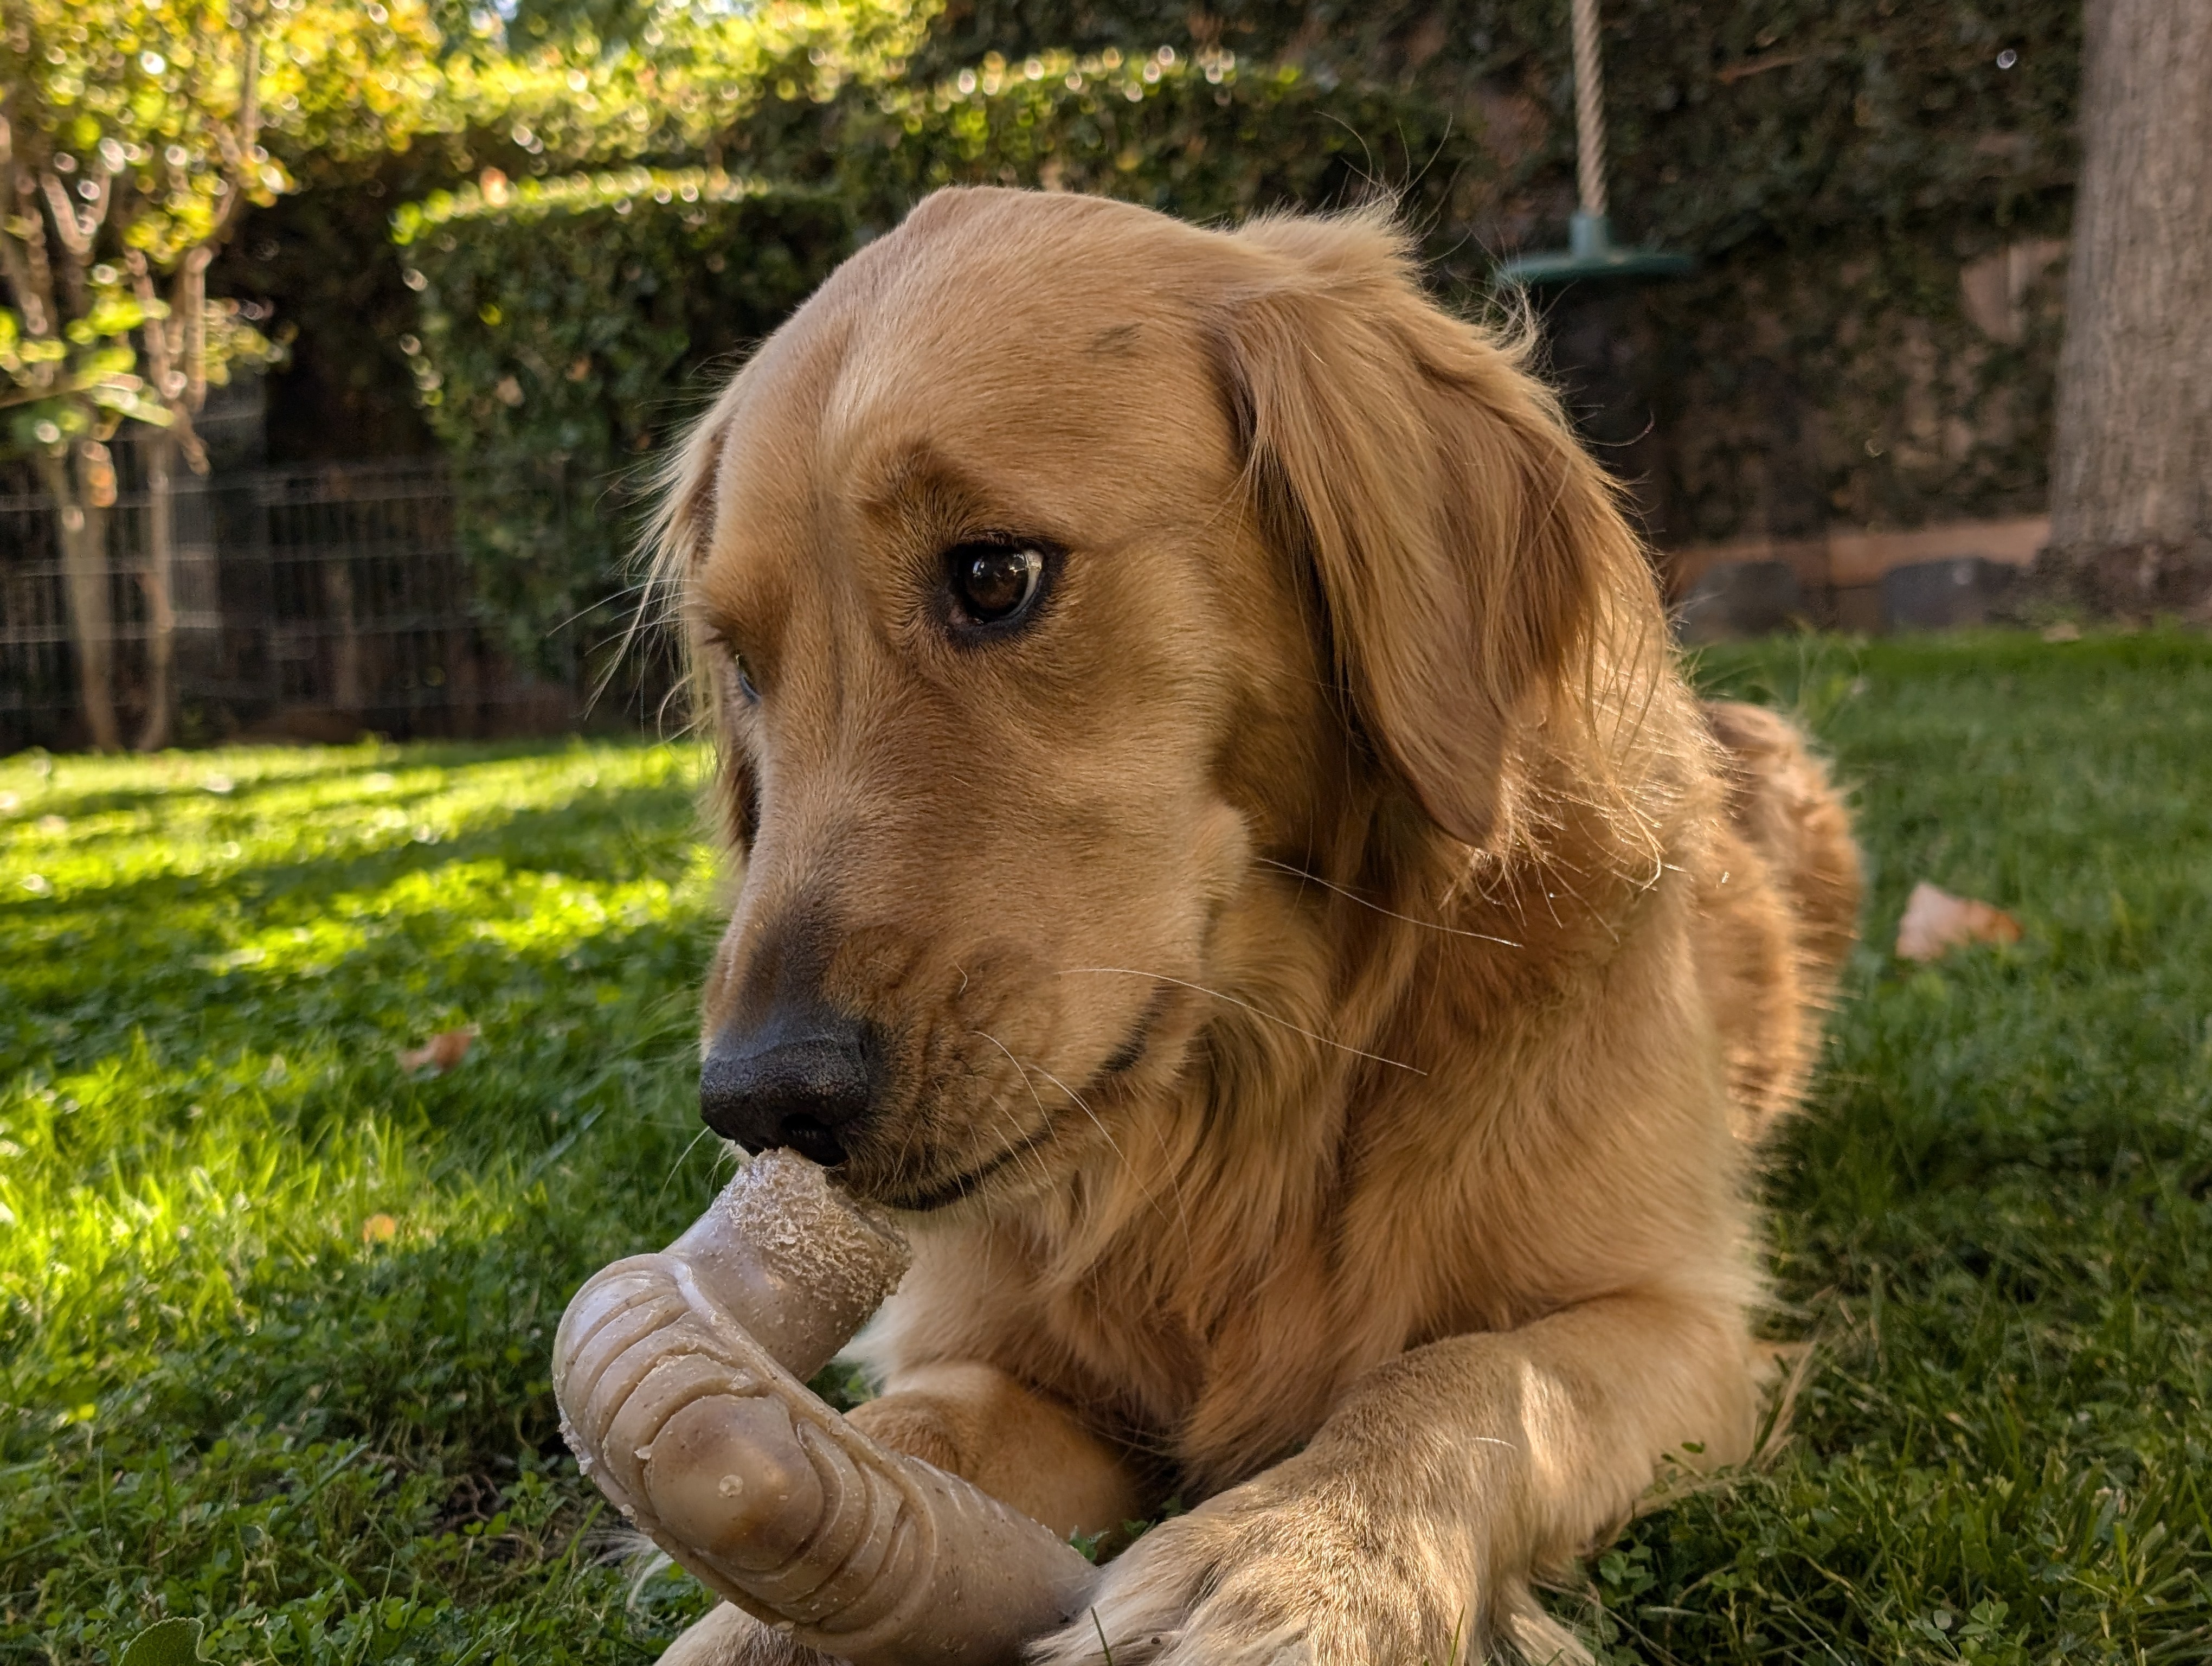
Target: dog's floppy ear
column 1465, row 547
column 677, row 539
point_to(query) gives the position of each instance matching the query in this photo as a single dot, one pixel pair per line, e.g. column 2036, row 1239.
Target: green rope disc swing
column 1591, row 251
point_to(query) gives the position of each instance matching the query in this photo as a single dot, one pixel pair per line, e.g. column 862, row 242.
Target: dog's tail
column 1781, row 804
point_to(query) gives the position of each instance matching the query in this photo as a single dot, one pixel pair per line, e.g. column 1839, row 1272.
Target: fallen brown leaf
column 1935, row 922
column 378, row 1228
column 441, row 1052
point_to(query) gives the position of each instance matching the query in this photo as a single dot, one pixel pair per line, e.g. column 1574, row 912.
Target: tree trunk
column 82, row 519
column 2131, row 481
column 160, row 452
column 345, row 646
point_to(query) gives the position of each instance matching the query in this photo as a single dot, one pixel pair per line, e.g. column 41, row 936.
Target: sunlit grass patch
column 275, row 1311
column 234, row 1225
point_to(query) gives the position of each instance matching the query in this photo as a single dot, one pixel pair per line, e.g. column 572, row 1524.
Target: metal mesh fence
column 38, row 647
column 35, row 658
column 310, row 603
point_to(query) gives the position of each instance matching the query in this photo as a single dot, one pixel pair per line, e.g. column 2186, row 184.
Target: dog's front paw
column 1273, row 1573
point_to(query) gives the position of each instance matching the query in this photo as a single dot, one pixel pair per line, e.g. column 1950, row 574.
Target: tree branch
column 23, row 257
column 77, row 248
column 191, row 297
column 165, row 339
column 59, row 203
column 237, row 149
column 41, row 270
column 159, row 351
column 249, row 91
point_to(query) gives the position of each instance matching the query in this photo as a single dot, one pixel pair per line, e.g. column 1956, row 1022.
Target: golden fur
column 1357, row 969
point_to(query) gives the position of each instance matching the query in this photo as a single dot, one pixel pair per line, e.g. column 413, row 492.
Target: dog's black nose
column 800, row 1079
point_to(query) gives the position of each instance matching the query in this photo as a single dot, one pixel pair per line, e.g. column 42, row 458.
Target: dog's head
column 1060, row 578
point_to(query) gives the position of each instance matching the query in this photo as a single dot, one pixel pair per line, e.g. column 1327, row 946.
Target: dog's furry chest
column 1208, row 1352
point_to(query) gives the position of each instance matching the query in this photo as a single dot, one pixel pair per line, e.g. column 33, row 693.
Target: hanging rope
column 1589, row 110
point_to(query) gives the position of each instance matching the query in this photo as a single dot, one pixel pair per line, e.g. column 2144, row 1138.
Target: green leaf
column 164, row 1643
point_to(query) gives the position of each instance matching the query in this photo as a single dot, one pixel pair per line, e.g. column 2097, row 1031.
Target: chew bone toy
column 681, row 1379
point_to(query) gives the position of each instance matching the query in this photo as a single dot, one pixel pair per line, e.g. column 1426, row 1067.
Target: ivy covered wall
column 1877, row 191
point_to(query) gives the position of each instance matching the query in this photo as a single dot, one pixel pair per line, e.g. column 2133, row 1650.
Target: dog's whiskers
column 1113, row 1144
column 1025, row 1145
column 1022, row 1148
column 1256, row 1012
column 1354, row 897
column 1029, row 1145
column 682, row 1158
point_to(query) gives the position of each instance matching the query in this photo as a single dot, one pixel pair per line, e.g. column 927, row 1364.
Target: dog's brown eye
column 996, row 581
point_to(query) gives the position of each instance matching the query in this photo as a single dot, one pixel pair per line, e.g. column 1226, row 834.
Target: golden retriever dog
column 1228, row 853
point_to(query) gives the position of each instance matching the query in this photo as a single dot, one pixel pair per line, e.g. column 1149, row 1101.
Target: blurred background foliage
column 562, row 333
column 1876, row 191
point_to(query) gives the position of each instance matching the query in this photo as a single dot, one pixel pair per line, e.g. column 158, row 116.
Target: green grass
column 218, row 1397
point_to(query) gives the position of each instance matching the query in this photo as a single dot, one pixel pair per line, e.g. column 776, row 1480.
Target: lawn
column 274, row 1313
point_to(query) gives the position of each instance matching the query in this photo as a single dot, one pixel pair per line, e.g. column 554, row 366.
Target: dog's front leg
column 1022, row 1448
column 1406, row 1532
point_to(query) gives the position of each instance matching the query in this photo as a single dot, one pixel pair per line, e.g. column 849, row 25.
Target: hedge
column 565, row 331
column 568, row 327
